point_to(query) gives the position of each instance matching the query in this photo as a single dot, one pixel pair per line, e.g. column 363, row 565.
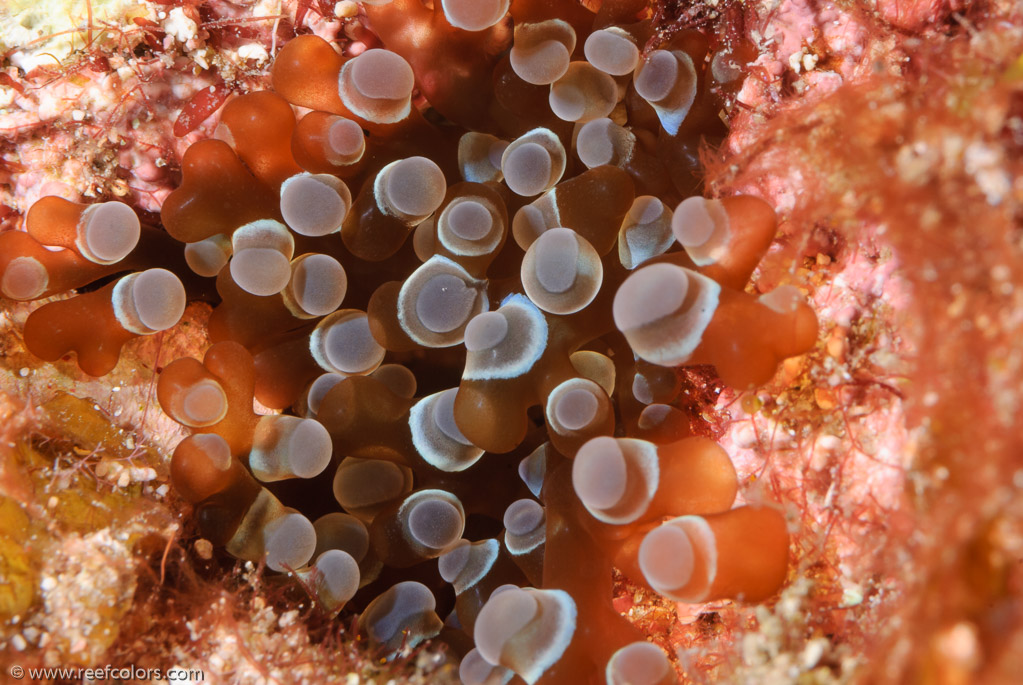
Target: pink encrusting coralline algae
column 763, row 470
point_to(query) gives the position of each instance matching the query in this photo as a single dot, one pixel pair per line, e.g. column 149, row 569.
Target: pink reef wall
column 887, row 138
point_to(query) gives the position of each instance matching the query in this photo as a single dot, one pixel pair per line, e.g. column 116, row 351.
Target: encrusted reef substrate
column 407, row 356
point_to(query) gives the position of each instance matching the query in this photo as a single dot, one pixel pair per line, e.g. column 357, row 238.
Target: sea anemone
column 313, row 230
column 389, row 380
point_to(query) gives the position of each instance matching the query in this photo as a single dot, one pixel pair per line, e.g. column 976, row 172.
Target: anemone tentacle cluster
column 507, row 407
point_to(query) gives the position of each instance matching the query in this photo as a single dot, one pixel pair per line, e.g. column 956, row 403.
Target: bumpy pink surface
column 829, row 437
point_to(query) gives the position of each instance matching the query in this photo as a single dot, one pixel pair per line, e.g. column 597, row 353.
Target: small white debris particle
column 204, row 548
column 986, row 164
column 813, row 652
column 851, row 596
column 180, row 26
column 960, row 644
column 254, row 52
column 346, row 9
column 796, row 61
column 142, row 474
